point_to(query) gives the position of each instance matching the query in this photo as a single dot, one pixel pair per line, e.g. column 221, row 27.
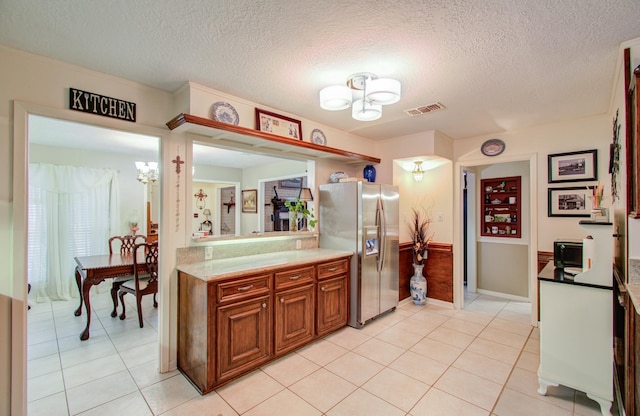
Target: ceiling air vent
column 429, row 108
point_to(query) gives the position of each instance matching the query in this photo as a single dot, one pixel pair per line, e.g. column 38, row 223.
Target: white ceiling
column 54, row 132
column 495, row 65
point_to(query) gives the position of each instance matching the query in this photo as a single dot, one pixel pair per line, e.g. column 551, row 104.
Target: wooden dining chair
column 145, row 278
column 127, row 244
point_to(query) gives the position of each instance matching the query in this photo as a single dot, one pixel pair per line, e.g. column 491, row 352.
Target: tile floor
column 415, row 361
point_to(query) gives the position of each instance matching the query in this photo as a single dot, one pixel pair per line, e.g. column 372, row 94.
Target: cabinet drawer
column 331, row 269
column 294, row 277
column 244, row 287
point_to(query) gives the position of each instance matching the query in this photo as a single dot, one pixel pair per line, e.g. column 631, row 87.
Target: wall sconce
column 417, row 171
column 206, row 225
column 201, row 198
column 147, row 172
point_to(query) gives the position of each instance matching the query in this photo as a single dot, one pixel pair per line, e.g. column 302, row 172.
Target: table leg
column 78, row 311
column 86, row 287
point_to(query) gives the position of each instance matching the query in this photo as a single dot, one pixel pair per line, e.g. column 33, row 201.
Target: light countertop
column 259, row 263
column 634, row 294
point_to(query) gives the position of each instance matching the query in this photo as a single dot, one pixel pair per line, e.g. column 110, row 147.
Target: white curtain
column 72, row 212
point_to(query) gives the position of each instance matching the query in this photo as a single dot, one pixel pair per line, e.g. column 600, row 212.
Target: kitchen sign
column 89, row 102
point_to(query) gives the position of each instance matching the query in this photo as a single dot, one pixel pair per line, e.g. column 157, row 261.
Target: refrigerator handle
column 382, row 237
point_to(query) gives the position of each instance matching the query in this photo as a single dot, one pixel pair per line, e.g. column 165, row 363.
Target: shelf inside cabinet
column 500, row 207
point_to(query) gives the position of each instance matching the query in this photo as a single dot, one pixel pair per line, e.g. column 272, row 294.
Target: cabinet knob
column 281, row 300
column 322, row 288
column 264, row 305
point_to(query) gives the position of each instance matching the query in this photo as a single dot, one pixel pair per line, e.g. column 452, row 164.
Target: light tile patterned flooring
column 415, row 361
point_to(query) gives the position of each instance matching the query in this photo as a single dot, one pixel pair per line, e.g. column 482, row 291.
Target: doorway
column 24, row 114
column 529, row 162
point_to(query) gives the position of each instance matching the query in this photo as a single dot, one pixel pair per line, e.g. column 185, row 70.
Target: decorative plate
column 318, row 137
column 492, row 147
column 225, row 113
column 336, row 176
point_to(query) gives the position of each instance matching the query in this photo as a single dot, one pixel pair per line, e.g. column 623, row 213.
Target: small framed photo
column 269, row 122
column 250, row 200
column 291, row 183
column 570, row 202
column 573, row 166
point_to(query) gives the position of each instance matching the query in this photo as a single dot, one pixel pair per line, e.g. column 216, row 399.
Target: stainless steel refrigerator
column 363, row 217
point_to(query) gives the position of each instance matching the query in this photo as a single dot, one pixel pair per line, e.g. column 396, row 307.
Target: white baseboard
column 503, row 295
column 430, row 301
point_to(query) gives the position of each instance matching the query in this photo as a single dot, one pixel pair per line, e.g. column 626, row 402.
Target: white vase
column 418, row 285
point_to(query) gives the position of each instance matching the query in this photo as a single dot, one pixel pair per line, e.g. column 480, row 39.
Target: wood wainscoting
column 438, row 271
column 544, row 257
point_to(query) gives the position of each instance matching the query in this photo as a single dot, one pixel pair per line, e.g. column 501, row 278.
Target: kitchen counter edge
column 211, row 270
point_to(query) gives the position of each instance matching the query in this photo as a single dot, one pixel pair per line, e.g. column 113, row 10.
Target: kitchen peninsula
column 235, row 314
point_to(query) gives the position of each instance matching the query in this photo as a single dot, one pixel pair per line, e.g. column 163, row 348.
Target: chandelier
column 364, row 92
column 147, row 172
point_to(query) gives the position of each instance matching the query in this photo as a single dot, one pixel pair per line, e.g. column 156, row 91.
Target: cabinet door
column 332, row 304
column 244, row 336
column 294, row 318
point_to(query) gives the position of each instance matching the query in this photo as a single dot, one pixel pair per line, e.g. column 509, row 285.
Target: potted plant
column 419, row 229
column 298, row 210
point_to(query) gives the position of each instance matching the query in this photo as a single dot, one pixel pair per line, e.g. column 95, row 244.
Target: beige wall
column 503, row 263
column 502, row 272
column 582, row 134
column 44, row 84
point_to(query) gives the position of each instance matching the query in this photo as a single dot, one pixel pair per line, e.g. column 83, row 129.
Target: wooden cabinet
column 632, row 138
column 629, row 358
column 244, row 335
column 228, row 327
column 294, row 309
column 244, row 324
column 333, row 297
column 500, row 207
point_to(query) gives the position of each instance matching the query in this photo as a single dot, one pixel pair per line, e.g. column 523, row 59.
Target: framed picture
column 570, row 202
column 291, row 183
column 250, row 200
column 573, row 166
column 276, row 124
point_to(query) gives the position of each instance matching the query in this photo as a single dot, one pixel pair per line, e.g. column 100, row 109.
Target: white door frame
column 458, row 278
column 472, row 281
column 21, row 112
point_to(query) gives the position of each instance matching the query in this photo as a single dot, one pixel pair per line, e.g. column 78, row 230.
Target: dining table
column 93, row 270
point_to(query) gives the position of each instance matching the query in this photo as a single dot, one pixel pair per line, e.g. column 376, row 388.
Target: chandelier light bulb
column 365, row 111
column 335, row 97
column 383, row 91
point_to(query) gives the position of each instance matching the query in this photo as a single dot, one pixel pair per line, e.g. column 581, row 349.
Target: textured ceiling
column 495, row 65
